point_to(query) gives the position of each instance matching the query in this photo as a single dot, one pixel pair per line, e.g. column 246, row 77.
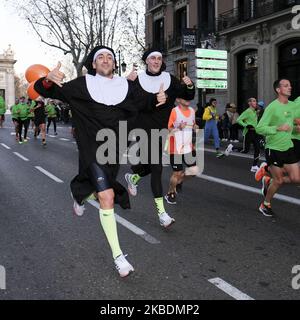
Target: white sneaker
column 132, row 188
column 236, row 141
column 228, row 150
column 254, row 169
column 78, row 209
column 165, row 220
column 123, row 266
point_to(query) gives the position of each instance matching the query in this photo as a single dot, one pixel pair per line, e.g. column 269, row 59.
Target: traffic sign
column 212, row 84
column 211, row 74
column 212, row 64
column 211, row 54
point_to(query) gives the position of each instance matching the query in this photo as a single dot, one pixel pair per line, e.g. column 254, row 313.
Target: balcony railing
column 166, row 46
column 239, row 16
column 155, row 3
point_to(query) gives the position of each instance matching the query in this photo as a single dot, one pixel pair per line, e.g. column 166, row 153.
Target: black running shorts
column 178, row 161
column 297, row 148
column 280, row 158
column 99, row 178
column 39, row 121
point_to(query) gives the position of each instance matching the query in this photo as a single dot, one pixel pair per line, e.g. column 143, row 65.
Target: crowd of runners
column 37, row 115
column 154, row 100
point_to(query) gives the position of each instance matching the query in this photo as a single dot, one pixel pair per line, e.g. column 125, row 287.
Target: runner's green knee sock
column 160, row 205
column 91, row 197
column 109, row 225
column 135, row 178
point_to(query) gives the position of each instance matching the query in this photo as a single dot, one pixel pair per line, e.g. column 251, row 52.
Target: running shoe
column 25, row 140
column 261, row 172
column 266, row 210
column 77, row 208
column 265, row 185
column 132, row 188
column 220, row 155
column 228, row 150
column 165, row 220
column 123, row 266
column 171, row 198
column 254, row 169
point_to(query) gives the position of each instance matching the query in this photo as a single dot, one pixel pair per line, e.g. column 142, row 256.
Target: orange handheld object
column 35, row 72
column 32, row 94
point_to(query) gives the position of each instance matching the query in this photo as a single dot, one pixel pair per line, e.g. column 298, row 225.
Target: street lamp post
column 121, row 66
column 200, row 102
column 202, row 44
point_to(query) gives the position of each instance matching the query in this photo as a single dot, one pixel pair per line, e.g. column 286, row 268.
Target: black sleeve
column 143, row 101
column 182, row 90
column 53, row 92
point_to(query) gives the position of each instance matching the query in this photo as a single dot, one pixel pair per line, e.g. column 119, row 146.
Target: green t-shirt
column 14, row 111
column 31, row 113
column 296, row 135
column 276, row 115
column 24, row 111
column 2, row 106
column 248, row 118
column 50, row 109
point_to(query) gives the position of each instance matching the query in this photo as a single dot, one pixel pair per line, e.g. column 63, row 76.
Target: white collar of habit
column 110, row 92
column 152, row 84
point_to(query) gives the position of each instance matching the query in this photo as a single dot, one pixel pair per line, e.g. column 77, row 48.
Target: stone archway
column 247, row 77
column 289, row 64
column 7, row 80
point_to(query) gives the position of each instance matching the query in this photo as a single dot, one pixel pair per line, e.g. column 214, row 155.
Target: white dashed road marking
column 48, row 174
column 20, row 156
column 5, row 146
column 249, row 189
column 229, row 289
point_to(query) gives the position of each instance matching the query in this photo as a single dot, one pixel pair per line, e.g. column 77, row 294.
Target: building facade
column 263, row 46
column 259, row 35
column 7, row 80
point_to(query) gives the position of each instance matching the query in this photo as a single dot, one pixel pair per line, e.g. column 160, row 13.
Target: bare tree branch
column 76, row 26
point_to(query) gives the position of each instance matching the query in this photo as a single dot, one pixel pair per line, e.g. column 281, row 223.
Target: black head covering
column 148, row 52
column 90, row 59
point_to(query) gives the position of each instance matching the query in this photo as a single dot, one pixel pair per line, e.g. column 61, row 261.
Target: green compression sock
column 135, row 178
column 160, row 205
column 109, row 225
column 91, row 197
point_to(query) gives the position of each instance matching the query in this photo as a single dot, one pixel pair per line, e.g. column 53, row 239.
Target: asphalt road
column 220, row 247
